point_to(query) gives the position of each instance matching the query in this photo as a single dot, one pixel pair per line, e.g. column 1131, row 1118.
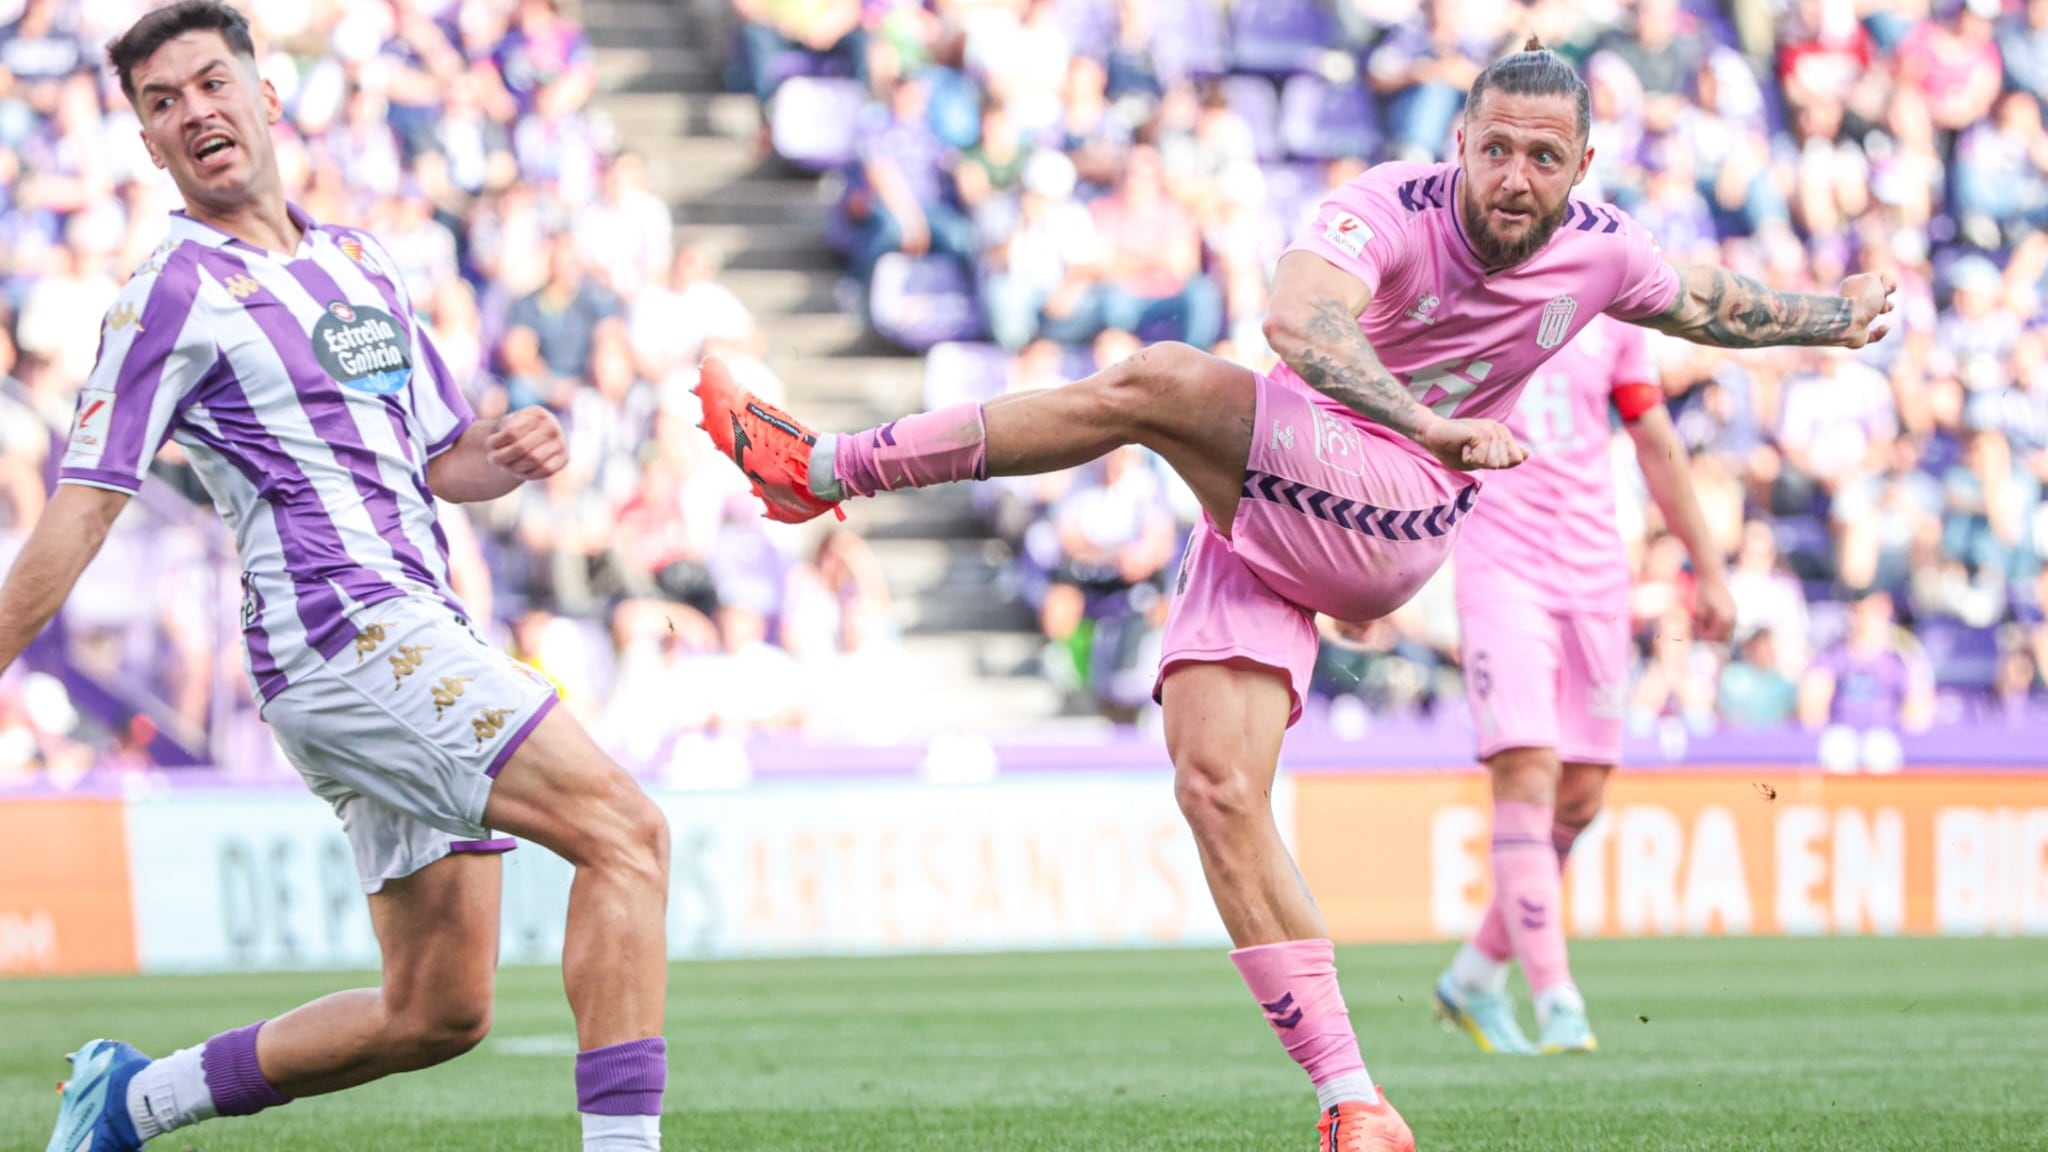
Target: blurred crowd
column 1085, row 175
column 1104, row 171
column 459, row 132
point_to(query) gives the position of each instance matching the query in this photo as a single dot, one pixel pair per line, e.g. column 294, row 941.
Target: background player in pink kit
column 284, row 357
column 1408, row 317
column 1542, row 587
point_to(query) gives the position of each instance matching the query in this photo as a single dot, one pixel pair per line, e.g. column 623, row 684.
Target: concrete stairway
column 661, row 65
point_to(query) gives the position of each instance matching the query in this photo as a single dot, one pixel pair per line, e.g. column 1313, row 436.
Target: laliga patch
column 1348, row 233
column 363, row 348
column 95, row 417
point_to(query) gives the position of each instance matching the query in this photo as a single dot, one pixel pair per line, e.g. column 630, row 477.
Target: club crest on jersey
column 1347, row 232
column 1557, row 322
column 363, row 348
column 351, row 248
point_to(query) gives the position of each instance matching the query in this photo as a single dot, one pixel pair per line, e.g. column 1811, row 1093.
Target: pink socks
column 1524, row 918
column 1296, row 984
column 915, row 452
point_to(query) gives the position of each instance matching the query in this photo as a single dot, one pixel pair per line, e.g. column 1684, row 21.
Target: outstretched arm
column 1312, row 324
column 1729, row 310
column 67, row 536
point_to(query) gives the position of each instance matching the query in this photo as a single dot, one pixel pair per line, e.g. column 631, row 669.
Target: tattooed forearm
column 1335, row 358
column 1719, row 307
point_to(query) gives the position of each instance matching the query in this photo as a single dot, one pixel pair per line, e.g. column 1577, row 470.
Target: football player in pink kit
column 1542, row 586
column 1408, row 317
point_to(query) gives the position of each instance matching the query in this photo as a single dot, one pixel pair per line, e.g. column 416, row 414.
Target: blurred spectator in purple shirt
column 1876, row 677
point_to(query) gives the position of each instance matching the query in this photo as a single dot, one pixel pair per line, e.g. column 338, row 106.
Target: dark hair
column 130, row 49
column 1535, row 71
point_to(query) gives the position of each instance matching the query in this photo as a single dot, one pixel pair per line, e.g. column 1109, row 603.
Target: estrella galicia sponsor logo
column 362, row 348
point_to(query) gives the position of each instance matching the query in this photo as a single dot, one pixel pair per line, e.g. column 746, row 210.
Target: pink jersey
column 1465, row 340
column 1544, row 532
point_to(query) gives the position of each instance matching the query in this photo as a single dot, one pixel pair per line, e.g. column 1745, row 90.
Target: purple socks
column 233, row 1077
column 623, row 1079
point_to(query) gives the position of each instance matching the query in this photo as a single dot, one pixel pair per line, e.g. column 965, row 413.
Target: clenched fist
column 1470, row 445
column 528, row 443
column 1870, row 297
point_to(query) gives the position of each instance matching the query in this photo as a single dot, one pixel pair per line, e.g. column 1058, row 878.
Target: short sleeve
column 1363, row 229
column 1649, row 284
column 1632, row 378
column 443, row 411
column 1632, row 364
column 437, row 401
column 152, row 359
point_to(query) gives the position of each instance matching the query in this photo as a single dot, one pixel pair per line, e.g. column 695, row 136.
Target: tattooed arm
column 1312, row 323
column 1728, row 310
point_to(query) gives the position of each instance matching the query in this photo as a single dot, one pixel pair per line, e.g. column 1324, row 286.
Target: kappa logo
column 367, row 641
column 241, row 287
column 1348, row 233
column 124, row 316
column 489, row 724
column 407, row 661
column 447, row 692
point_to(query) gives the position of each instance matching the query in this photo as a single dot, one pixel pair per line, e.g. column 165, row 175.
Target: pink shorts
column 1335, row 517
column 1542, row 678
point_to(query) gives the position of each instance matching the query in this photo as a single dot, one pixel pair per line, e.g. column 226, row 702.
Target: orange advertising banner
column 64, row 888
column 1768, row 851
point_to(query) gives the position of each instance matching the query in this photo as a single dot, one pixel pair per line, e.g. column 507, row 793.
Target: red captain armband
column 1632, row 400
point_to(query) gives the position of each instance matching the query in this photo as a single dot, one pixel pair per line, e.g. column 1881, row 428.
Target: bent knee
column 1577, row 811
column 1525, row 774
column 443, row 1033
column 1213, row 794
column 1155, row 382
column 634, row 835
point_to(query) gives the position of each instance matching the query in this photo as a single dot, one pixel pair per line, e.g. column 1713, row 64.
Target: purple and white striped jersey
column 309, row 400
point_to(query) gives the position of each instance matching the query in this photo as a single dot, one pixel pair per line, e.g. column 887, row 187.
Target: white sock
column 825, row 483
column 170, row 1093
column 1350, row 1086
column 1474, row 969
column 621, row 1133
column 1562, row 996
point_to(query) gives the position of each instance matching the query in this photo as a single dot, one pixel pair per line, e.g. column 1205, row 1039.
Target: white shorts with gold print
column 405, row 731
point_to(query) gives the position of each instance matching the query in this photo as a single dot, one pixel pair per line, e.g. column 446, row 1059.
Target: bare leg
column 438, row 931
column 1581, row 794
column 1192, row 408
column 561, row 791
column 1224, row 724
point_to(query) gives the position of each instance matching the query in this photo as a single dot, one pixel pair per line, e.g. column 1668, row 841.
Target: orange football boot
column 1355, row 1127
column 771, row 449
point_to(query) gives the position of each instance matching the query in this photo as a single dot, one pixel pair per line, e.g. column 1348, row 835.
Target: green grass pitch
column 1855, row 1045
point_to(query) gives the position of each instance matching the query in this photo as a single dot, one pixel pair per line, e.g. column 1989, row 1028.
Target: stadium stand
column 1024, row 190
